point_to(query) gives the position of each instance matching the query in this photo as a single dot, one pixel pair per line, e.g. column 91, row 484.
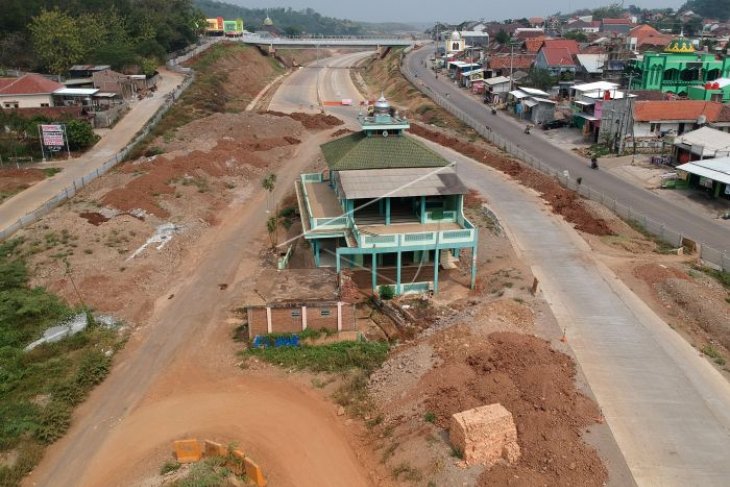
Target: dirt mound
column 93, row 217
column 228, row 147
column 537, row 385
column 563, row 202
column 319, row 121
column 341, row 132
column 13, row 180
column 655, row 273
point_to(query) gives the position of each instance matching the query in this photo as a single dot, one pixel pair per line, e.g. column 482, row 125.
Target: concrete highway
column 714, row 233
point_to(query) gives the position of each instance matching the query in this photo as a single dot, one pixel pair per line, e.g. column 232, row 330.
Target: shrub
column 93, row 368
column 333, row 357
column 54, row 421
column 386, row 292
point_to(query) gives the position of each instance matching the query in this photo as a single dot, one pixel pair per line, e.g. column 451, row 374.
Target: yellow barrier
column 187, row 451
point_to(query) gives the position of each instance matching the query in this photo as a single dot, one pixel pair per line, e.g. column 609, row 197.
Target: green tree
column 80, row 135
column 502, row 37
column 576, row 35
column 716, row 9
column 541, row 79
column 56, row 40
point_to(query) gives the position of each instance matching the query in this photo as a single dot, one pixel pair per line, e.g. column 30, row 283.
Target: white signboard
column 53, row 136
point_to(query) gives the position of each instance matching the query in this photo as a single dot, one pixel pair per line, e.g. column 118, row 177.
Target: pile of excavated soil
column 537, row 385
column 689, row 302
column 14, row 180
column 563, row 201
column 319, row 121
column 229, row 156
column 202, row 134
column 341, row 132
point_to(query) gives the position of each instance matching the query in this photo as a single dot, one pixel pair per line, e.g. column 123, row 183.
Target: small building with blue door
column 387, row 207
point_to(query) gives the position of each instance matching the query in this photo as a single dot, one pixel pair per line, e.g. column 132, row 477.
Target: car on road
column 554, row 124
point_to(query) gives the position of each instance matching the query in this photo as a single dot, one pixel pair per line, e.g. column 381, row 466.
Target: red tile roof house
column 618, row 26
column 557, row 56
column 501, row 64
column 28, row 91
column 653, row 119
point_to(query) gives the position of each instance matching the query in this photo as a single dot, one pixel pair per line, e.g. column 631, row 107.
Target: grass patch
column 429, row 417
column 334, row 357
column 169, row 466
column 712, row 353
column 51, row 171
column 661, row 246
column 406, row 472
column 39, row 388
column 720, row 276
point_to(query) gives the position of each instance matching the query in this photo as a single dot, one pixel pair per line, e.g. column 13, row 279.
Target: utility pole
column 512, row 42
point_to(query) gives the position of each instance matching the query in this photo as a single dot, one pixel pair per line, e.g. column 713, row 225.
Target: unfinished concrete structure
column 485, row 435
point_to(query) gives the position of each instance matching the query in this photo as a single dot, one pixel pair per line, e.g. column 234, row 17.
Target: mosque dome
column 455, row 36
column 680, row 46
column 268, row 21
column 382, row 105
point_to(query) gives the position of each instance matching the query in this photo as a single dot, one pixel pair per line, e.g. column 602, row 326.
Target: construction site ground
column 181, row 376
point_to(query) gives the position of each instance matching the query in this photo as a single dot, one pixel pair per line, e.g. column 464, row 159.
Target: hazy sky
column 442, row 10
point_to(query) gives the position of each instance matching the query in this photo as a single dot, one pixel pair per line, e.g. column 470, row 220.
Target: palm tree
column 269, row 183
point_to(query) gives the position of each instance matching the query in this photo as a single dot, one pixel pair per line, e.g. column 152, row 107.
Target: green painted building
column 678, row 68
column 387, row 207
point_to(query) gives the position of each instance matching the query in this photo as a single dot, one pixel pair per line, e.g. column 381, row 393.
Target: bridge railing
column 709, row 256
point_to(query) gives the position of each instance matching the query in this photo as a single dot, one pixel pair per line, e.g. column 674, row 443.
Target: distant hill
column 306, row 21
column 289, row 21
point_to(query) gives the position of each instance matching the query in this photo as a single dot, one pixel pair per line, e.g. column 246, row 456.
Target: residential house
column 643, row 37
column 587, row 27
column 524, row 33
column 109, row 81
column 387, row 207
column 703, row 143
column 496, row 89
column 591, row 65
column 536, row 21
column 532, row 105
column 712, row 175
column 29, row 91
column 556, row 56
column 590, row 104
column 654, row 121
column 501, row 65
column 616, row 26
column 86, row 70
column 475, row 38
column 678, row 68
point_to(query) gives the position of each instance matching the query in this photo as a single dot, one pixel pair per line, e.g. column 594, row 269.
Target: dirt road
column 111, row 143
column 178, row 377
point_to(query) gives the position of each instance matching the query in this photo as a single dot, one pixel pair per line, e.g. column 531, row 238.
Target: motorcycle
column 494, row 111
column 527, row 129
column 594, row 163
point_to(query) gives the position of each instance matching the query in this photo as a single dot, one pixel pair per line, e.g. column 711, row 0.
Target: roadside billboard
column 53, row 137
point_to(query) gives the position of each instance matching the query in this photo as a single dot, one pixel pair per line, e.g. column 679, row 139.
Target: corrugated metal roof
column 497, row 80
column 533, row 91
column 357, row 151
column 715, row 169
column 404, row 182
column 705, row 140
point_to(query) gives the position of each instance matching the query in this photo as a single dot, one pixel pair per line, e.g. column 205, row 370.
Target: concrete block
column 213, row 449
column 485, row 435
column 187, row 451
column 254, row 473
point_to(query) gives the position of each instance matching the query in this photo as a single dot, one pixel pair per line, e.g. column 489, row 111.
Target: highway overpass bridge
column 314, row 42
